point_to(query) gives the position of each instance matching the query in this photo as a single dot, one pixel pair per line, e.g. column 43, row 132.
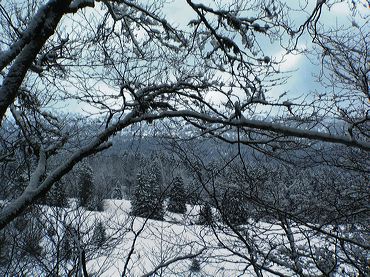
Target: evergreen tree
column 30, row 239
column 89, row 196
column 68, row 247
column 31, row 243
column 85, row 180
column 57, row 196
column 234, row 207
column 99, row 235
column 205, row 215
column 146, row 199
column 195, row 266
column 96, row 203
column 177, row 197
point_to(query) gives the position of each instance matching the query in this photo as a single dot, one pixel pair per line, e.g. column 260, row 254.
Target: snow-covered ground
column 177, row 246
column 162, row 241
column 137, row 246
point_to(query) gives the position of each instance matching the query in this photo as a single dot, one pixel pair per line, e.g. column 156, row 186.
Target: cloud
column 290, row 61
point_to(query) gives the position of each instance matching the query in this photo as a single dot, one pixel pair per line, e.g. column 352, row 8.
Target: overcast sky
column 301, row 81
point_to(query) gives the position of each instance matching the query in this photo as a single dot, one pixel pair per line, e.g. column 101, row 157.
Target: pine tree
column 99, row 235
column 85, row 179
column 89, row 195
column 205, row 215
column 234, row 207
column 177, row 197
column 146, row 199
column 31, row 237
column 57, row 196
column 31, row 243
column 96, row 202
column 195, row 266
column 140, row 196
column 68, row 246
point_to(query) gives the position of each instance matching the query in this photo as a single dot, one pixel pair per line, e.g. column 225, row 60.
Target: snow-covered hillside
column 179, row 247
column 112, row 242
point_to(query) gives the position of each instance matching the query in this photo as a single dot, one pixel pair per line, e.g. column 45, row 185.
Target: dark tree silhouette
column 205, row 215
column 85, row 183
column 147, row 200
column 177, row 197
column 234, row 209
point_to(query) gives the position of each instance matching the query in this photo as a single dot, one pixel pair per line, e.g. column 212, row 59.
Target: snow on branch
column 99, row 143
column 266, row 126
column 32, row 30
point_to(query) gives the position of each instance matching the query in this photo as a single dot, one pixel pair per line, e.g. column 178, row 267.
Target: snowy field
column 138, row 247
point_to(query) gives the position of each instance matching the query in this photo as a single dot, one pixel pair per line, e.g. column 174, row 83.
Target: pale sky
column 302, row 70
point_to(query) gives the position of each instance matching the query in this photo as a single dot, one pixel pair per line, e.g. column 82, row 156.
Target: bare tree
column 301, row 221
column 130, row 64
